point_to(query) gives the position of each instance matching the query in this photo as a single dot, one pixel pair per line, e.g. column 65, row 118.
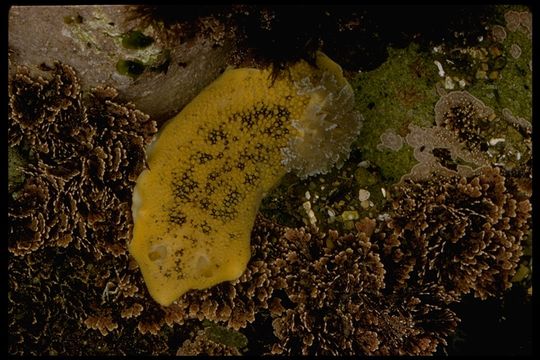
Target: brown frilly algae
column 462, row 232
column 85, row 159
column 86, row 151
column 326, row 294
column 338, row 303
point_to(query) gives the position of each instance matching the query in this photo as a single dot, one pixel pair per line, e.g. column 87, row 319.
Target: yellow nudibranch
column 210, row 166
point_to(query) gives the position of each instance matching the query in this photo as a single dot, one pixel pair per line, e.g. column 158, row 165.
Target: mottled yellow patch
column 195, row 205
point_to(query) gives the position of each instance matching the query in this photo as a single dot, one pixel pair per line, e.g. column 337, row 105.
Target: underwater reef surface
column 420, row 243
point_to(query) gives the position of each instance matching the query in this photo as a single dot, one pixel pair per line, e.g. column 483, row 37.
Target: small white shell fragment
column 495, row 141
column 383, row 191
column 308, row 195
column 331, row 213
column 439, row 66
column 363, row 194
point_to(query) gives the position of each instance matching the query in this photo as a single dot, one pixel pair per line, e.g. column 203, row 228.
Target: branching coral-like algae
column 211, row 165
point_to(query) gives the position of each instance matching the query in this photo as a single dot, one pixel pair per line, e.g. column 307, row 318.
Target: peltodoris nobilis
column 210, row 166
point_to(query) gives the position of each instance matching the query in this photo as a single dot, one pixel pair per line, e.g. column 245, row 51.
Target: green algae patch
column 136, row 40
column 394, row 164
column 224, row 336
column 404, row 90
column 398, row 93
column 131, row 68
column 512, row 87
column 15, row 165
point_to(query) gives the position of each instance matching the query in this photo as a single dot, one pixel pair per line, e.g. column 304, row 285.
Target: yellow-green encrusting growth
column 210, row 166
